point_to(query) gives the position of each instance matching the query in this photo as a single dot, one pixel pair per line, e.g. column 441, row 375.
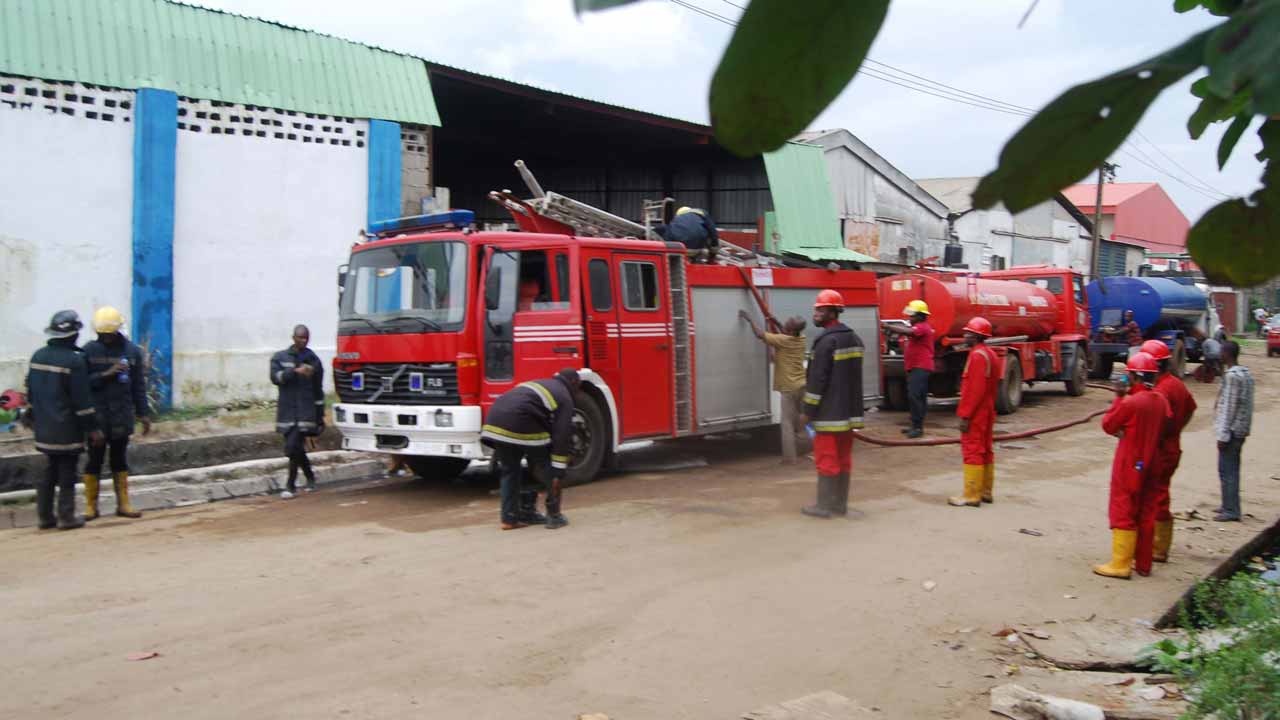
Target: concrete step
column 194, row 486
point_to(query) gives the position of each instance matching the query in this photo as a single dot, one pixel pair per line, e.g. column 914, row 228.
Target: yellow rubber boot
column 988, row 482
column 1123, row 545
column 972, row 488
column 90, row 496
column 123, row 509
column 1162, row 541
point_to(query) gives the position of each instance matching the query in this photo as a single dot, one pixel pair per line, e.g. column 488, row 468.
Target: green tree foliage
column 789, row 59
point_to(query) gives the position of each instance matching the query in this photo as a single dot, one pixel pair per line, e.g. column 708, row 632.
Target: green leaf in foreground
column 1244, row 52
column 1213, row 108
column 581, row 6
column 1080, row 129
column 1231, row 137
column 787, row 61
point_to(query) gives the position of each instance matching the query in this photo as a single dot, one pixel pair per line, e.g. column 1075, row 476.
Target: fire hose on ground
column 871, row 439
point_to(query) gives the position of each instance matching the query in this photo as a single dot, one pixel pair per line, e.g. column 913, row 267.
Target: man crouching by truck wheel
column 533, row 420
column 833, row 404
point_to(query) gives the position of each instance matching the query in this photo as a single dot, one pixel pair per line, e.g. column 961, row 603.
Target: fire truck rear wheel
column 1100, row 365
column 1009, row 394
column 590, row 440
column 437, row 468
column 895, row 394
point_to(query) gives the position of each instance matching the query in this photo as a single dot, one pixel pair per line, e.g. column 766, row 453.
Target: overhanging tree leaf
column 581, row 6
column 787, row 61
column 1237, row 243
column 1231, row 137
column 1244, row 52
column 1213, row 108
column 1080, row 129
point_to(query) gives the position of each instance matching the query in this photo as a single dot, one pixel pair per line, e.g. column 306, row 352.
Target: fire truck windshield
column 413, row 287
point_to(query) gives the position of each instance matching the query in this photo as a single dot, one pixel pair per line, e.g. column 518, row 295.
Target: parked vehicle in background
column 1165, row 309
column 1039, row 320
column 1273, row 338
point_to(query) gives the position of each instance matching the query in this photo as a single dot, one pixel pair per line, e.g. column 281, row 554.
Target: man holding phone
column 298, row 373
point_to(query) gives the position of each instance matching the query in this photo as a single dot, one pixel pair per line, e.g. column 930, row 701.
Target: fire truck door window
column 1077, row 285
column 499, row 361
column 562, row 278
column 601, row 285
column 639, row 286
column 535, row 291
column 1052, row 284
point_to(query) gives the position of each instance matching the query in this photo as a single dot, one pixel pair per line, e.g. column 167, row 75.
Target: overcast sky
column 659, row 56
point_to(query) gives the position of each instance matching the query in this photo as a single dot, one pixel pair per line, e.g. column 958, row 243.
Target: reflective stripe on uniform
column 51, row 368
column 286, row 364
column 319, row 402
column 493, row 432
column 560, row 462
column 280, row 376
column 56, row 446
column 812, row 399
column 831, row 425
column 856, row 423
column 86, row 411
column 547, row 399
column 300, row 423
column 847, row 354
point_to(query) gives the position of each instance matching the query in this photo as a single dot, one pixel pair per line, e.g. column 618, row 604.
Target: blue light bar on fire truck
column 449, row 220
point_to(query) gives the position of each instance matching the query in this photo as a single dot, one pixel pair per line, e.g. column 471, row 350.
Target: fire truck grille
column 391, row 384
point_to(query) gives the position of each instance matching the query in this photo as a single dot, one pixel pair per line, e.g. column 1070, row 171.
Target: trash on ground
column 1032, row 533
column 1151, row 693
column 1003, row 632
column 929, row 585
column 1013, row 446
column 143, row 655
column 1019, row 703
column 1038, row 634
column 1125, row 682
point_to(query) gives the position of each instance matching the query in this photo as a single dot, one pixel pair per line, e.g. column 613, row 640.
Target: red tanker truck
column 1038, row 315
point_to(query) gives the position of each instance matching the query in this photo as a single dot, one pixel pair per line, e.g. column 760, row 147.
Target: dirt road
column 689, row 594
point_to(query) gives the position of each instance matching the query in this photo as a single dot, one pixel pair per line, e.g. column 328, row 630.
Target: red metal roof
column 1142, row 214
column 1084, row 196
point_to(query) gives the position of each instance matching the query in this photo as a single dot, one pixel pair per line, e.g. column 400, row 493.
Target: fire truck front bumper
column 427, row 430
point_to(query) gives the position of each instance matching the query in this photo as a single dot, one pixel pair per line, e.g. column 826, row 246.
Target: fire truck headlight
column 339, row 414
column 444, row 419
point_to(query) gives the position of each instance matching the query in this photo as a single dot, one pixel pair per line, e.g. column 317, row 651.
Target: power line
column 1166, row 173
column 1178, row 165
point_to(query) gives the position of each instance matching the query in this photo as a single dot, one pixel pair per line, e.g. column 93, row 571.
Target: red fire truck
column 1038, row 313
column 436, row 321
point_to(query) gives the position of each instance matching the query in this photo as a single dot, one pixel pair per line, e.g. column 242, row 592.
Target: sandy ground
column 683, row 594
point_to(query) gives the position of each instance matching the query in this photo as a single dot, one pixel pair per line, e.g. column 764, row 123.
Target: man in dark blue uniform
column 118, row 385
column 533, row 420
column 58, row 388
column 299, row 374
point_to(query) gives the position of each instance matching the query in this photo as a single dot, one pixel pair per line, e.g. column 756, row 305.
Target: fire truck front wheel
column 590, row 440
column 437, row 468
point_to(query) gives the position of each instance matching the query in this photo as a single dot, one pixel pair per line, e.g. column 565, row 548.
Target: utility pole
column 1106, row 173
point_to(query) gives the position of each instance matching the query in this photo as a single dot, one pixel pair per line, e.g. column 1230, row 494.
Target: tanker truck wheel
column 1076, row 383
column 1100, row 366
column 590, row 440
column 895, row 394
column 437, row 468
column 1009, row 396
column 1178, row 360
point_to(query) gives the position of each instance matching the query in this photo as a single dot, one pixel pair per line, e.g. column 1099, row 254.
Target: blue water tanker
column 1165, row 309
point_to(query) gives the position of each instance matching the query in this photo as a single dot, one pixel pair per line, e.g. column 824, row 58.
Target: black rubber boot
column 555, row 520
column 826, row 491
column 840, row 495
column 529, row 514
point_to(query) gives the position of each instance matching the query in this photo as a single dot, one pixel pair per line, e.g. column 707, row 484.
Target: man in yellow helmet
column 693, row 228
column 917, row 361
column 118, row 386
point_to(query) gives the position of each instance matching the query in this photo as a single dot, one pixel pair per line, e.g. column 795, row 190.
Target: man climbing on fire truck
column 833, row 403
column 1155, row 526
column 1137, row 416
column 533, row 420
column 977, row 413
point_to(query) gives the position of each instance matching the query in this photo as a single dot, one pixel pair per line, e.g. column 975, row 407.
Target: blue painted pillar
column 384, row 170
column 155, row 144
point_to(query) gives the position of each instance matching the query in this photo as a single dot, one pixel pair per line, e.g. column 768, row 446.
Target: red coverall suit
column 1155, row 525
column 1138, row 419
column 982, row 373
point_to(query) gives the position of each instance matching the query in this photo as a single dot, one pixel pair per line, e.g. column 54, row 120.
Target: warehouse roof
column 213, row 55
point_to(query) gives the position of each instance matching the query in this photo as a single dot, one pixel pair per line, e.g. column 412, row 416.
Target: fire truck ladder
column 682, row 372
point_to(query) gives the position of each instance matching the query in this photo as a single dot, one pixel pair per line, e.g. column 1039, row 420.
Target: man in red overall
column 1138, row 418
column 977, row 413
column 1155, row 526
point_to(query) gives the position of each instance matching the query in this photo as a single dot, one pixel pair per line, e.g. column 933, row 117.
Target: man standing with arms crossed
column 118, row 385
column 1155, row 526
column 833, row 404
column 299, row 374
column 1232, row 420
column 977, row 413
column 787, row 349
column 917, row 361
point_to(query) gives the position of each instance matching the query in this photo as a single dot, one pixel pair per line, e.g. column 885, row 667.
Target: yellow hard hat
column 686, row 209
column 107, row 319
column 916, row 306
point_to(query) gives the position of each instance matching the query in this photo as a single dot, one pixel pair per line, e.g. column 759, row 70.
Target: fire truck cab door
column 643, row 329
column 548, row 320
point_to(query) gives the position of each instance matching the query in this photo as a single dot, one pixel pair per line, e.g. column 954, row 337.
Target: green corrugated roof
column 806, row 213
column 211, row 55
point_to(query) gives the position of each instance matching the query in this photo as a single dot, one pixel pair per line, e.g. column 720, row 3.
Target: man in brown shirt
column 787, row 350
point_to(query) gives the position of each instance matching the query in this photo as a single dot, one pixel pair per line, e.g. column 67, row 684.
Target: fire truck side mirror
column 342, row 278
column 493, row 288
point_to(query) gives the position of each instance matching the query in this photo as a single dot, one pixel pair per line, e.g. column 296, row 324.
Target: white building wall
column 262, row 224
column 66, row 208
